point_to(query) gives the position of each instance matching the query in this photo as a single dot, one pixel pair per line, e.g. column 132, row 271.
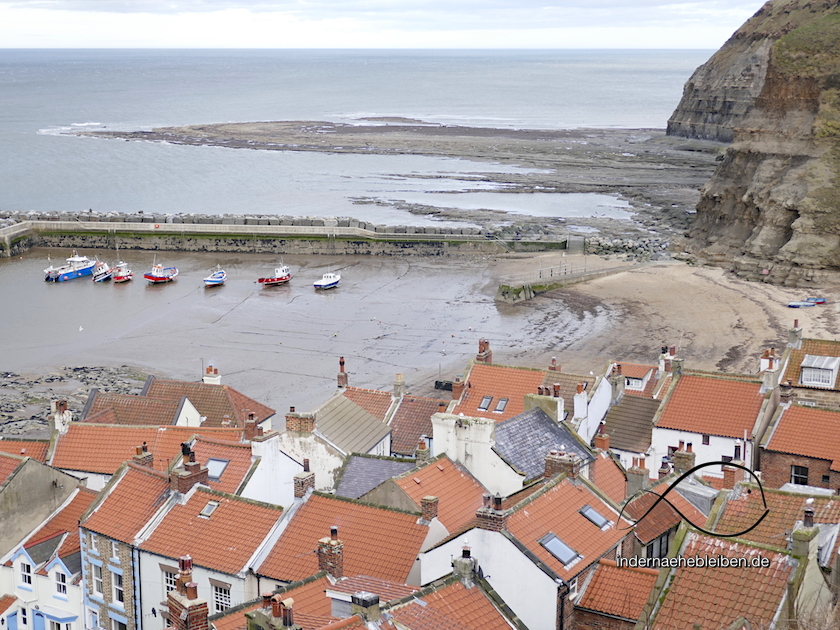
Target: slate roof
column 8, row 465
column 459, row 493
column 716, row 406
column 715, row 597
column 621, row 592
column 526, row 439
column 66, row 521
column 663, row 517
column 236, row 454
column 556, row 510
column 744, row 507
column 498, row 381
column 411, row 420
column 453, row 607
column 362, row 473
column 380, row 542
column 213, row 401
column 349, row 426
column 128, row 409
column 220, row 541
column 815, row 347
column 134, row 495
column 807, row 431
column 608, row 476
column 375, row 402
column 102, row 448
column 630, row 423
column 36, row 449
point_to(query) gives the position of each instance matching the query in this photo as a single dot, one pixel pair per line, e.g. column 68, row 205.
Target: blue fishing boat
column 76, row 267
column 216, row 278
column 329, row 280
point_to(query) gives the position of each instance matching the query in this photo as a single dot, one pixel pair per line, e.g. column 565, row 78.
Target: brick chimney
column 729, row 480
column 422, row 454
column 638, row 476
column 252, row 429
column 399, row 386
column 602, row 439
column 365, row 605
column 299, row 421
column 331, row 554
column 684, row 458
column 342, row 375
column 304, row 480
column 429, row 508
column 786, row 392
column 211, row 376
column 190, row 473
column 186, row 610
column 557, row 462
column 491, row 516
column 553, row 367
column 143, row 457
column 804, row 535
column 485, row 354
column 458, row 387
column 664, row 469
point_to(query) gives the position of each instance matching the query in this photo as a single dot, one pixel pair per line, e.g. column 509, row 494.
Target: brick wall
column 776, row 467
column 123, row 561
column 821, row 397
column 587, row 620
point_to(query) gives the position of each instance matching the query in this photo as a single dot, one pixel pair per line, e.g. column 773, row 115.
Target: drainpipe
column 137, row 588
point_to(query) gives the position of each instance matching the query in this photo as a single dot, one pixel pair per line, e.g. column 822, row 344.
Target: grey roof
column 350, row 427
column 73, row 562
column 630, row 422
column 526, row 439
column 42, row 551
column 362, row 474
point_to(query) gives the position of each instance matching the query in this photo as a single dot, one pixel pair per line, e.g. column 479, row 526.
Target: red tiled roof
column 663, row 517
column 745, row 506
column 715, row 406
column 220, row 541
column 375, row 402
column 6, row 602
column 131, row 410
column 714, row 482
column 36, row 449
column 557, row 511
column 605, row 473
column 380, row 542
column 67, row 520
column 412, row 419
column 129, row 504
column 388, row 591
column 238, row 456
column 8, row 465
column 452, row 607
column 714, row 597
column 809, row 432
column 235, row 619
column 622, row 592
column 101, row 448
column 459, row 493
column 500, row 382
column 212, row 401
column 635, row 370
column 814, row 347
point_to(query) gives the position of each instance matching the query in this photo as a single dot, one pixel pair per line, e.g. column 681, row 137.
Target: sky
column 535, row 24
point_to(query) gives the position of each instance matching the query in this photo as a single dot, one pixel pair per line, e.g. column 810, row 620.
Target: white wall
column 189, row 416
column 714, row 451
column 599, row 404
column 273, row 480
column 530, row 593
column 324, row 461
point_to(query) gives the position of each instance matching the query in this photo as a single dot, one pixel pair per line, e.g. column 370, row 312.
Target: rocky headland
column 771, row 209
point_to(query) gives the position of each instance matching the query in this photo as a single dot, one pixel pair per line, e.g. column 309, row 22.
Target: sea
column 47, row 94
column 419, row 317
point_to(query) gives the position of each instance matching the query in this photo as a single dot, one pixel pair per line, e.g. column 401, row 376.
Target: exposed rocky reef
column 771, row 210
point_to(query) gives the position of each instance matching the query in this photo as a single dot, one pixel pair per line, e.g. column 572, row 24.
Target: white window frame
column 118, row 625
column 221, row 598
column 97, row 581
column 60, row 583
column 57, row 625
column 24, row 617
column 93, row 618
column 25, row 574
column 115, row 549
column 117, row 589
column 636, row 384
column 170, row 581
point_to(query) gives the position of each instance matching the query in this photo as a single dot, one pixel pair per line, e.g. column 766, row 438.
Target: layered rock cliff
column 772, row 207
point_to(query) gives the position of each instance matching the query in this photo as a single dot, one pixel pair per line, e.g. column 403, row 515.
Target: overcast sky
column 371, row 23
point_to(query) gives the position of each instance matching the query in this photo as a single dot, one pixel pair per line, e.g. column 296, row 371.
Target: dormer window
column 209, row 509
column 485, row 403
column 636, row 384
column 818, row 371
column 559, row 549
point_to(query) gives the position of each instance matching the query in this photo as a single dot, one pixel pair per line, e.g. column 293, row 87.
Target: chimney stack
column 190, row 473
column 803, row 537
column 143, row 457
column 458, row 387
column 490, row 516
column 300, row 422
column 684, row 458
column 602, row 438
column 252, row 429
column 304, row 480
column 786, row 392
column 331, row 554
column 211, row 376
column 342, row 375
column 637, row 476
column 485, row 355
column 423, row 454
column 429, row 508
column 465, row 567
column 795, row 336
column 617, row 384
column 557, row 462
column 365, row 605
column 664, row 469
column 553, row 367
column 399, row 386
column 186, row 610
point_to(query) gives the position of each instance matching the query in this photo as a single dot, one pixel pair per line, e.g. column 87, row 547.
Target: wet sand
column 418, row 316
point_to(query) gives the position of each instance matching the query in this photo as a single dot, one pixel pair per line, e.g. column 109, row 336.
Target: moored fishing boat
column 282, row 275
column 329, row 280
column 76, row 267
column 121, row 272
column 216, row 278
column 102, row 271
column 159, row 274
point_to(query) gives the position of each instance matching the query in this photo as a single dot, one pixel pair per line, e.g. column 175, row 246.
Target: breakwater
column 251, row 234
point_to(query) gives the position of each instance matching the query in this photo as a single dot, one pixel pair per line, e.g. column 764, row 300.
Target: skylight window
column 559, row 549
column 216, row 467
column 500, row 406
column 485, row 403
column 594, row 516
column 209, row 509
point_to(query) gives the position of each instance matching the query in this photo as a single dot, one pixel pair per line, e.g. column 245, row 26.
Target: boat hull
column 161, row 275
column 326, row 285
column 123, row 278
column 274, row 282
column 63, row 274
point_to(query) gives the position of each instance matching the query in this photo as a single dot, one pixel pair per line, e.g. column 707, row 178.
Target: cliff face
column 772, row 207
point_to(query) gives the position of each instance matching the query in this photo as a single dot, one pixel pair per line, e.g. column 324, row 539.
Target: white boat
column 329, row 280
column 102, row 271
column 282, row 275
column 216, row 278
column 158, row 274
column 121, row 272
column 76, row 267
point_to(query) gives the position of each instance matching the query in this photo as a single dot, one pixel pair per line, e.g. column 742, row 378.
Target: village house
column 811, row 367
column 614, row 597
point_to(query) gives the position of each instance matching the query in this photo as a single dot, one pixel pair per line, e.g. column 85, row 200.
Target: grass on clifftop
column 812, row 50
